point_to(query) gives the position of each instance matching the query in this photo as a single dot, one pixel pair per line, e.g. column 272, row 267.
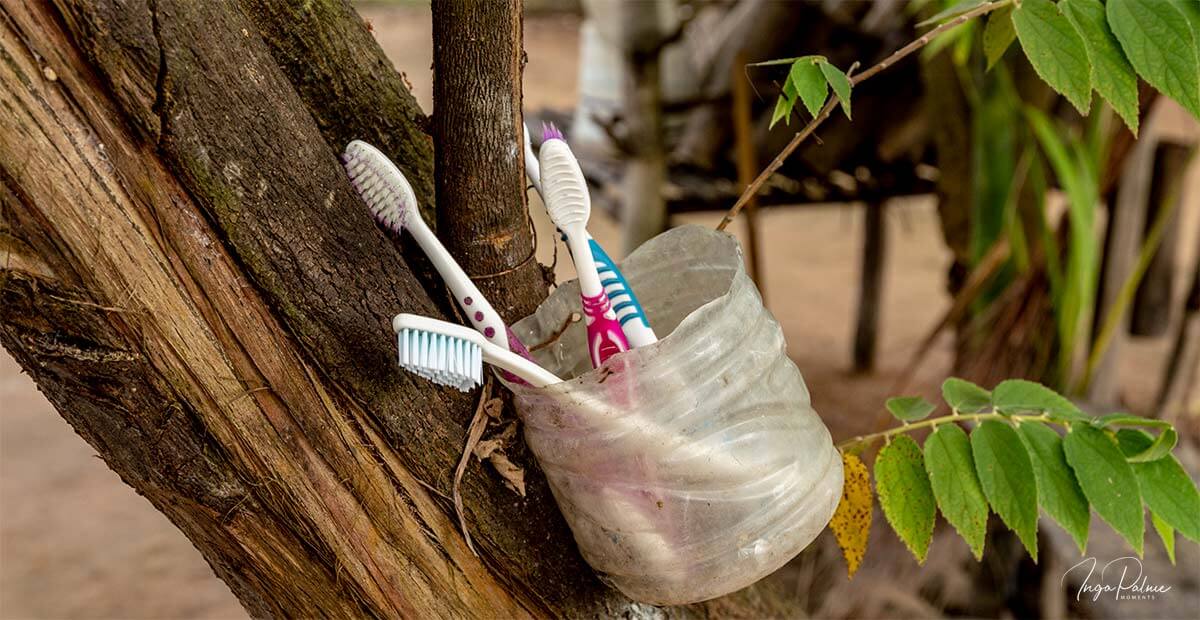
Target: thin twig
column 866, row 440
column 808, row 129
column 478, row 424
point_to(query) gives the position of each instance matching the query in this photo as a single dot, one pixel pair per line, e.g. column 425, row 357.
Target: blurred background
column 895, row 250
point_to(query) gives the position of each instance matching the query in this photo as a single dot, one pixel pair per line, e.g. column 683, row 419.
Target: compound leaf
column 1161, row 45
column 1058, row 491
column 1006, row 475
column 905, row 495
column 1055, row 50
column 964, row 396
column 1107, row 480
column 851, row 523
column 956, row 486
column 1165, row 486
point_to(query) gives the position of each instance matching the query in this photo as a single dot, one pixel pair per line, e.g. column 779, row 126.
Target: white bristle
column 380, row 184
column 445, row 360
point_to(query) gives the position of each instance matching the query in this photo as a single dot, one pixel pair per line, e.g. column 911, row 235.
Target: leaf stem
column 866, row 440
column 922, row 41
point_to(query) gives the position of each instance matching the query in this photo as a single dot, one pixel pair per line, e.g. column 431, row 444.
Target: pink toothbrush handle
column 605, row 337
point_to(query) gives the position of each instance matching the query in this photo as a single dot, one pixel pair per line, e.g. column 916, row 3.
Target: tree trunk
column 480, row 152
column 188, row 276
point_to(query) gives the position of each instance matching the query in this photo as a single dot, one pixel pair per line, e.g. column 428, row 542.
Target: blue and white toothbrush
column 630, row 313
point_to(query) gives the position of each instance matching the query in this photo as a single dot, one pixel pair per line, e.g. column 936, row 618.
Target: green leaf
column 840, row 84
column 952, row 11
column 1055, row 50
column 909, row 408
column 1160, row 44
column 783, row 108
column 1166, row 487
column 956, row 486
column 1160, row 448
column 998, row 35
column 1007, row 477
column 1112, row 75
column 1021, row 396
column 905, row 494
column 1166, row 533
column 1058, row 491
column 964, row 396
column 809, row 83
column 1107, row 481
column 1126, row 419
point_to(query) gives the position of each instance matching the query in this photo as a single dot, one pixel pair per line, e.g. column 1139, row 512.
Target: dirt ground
column 75, row 542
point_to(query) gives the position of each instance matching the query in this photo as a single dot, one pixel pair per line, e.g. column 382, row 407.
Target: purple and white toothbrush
column 570, row 206
column 385, row 190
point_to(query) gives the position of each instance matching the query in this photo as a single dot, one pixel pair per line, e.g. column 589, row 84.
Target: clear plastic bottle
column 692, row 467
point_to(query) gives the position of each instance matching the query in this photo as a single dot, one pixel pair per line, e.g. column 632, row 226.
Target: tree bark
column 188, row 276
column 477, row 59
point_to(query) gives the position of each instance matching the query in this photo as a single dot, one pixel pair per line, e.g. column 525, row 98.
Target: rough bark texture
column 140, row 327
column 478, row 132
column 188, row 276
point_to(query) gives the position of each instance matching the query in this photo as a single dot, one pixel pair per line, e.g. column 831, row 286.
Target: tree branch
column 855, row 80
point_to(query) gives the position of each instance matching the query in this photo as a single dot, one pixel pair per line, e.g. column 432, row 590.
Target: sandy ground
column 75, row 542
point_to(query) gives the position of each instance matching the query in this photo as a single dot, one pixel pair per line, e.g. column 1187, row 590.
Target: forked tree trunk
column 188, row 276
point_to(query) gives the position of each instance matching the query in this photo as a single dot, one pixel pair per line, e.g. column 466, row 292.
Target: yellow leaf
column 851, row 523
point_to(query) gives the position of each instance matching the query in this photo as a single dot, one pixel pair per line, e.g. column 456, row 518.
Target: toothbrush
column 569, row 206
column 385, row 190
column 628, row 309
column 453, row 355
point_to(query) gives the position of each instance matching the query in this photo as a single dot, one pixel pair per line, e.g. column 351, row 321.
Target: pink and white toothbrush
column 570, row 206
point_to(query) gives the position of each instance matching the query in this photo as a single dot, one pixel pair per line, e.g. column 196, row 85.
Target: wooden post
column 1183, row 369
column 1151, row 310
column 644, row 212
column 747, row 164
column 870, row 285
column 1126, row 221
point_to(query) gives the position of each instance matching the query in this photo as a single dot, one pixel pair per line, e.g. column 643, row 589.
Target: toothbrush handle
column 629, row 311
column 605, row 338
column 481, row 314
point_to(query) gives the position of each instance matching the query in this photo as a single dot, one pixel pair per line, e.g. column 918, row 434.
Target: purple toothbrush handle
column 605, row 338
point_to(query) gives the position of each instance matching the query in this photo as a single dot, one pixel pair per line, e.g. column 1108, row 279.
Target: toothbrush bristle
column 551, row 132
column 380, row 184
column 443, row 359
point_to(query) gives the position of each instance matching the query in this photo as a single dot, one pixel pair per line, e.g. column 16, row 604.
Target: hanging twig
column 475, row 430
column 855, row 80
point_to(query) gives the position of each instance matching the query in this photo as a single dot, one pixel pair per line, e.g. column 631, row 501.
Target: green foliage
column 809, row 80
column 909, row 408
column 1015, row 461
column 1006, row 475
column 905, row 494
column 840, row 84
column 964, row 396
column 956, row 485
column 1107, row 481
column 998, row 35
column 1076, row 170
column 1166, row 534
column 1021, row 396
column 1058, row 491
column 1159, row 40
column 1111, row 73
column 1169, row 493
column 1055, row 50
